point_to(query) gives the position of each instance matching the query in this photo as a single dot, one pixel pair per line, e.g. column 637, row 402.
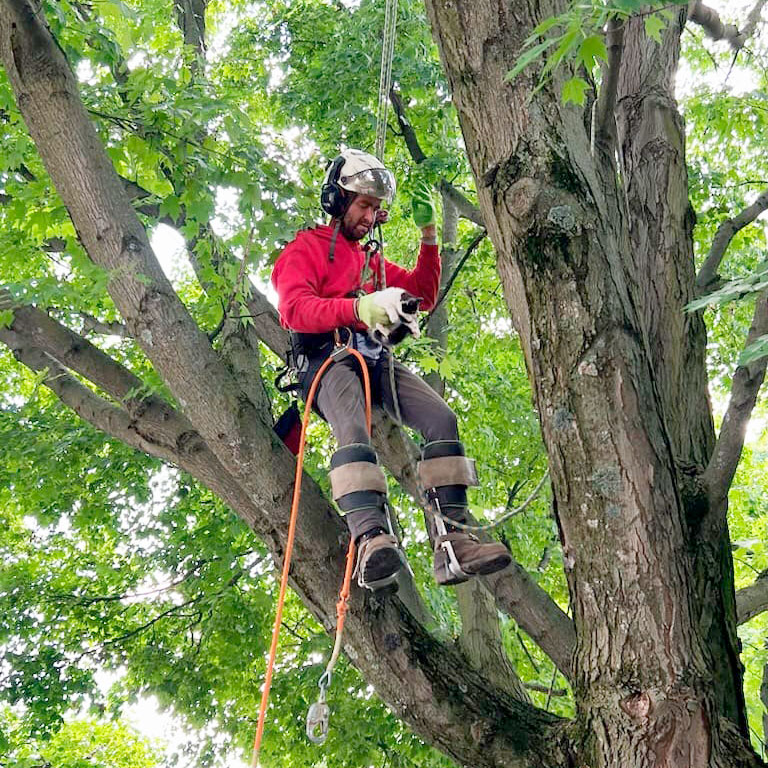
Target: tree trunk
column 415, row 673
column 597, row 289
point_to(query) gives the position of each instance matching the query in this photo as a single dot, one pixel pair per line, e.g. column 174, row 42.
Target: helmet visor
column 377, row 182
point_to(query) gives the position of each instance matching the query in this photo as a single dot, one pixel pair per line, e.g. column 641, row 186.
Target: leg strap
column 355, row 472
column 359, row 488
column 444, row 463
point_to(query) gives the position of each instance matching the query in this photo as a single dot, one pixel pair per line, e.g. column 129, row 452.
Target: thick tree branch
column 747, row 381
column 752, row 600
column 753, row 19
column 710, row 21
column 514, row 590
column 466, row 209
column 713, row 25
column 151, row 417
column 102, row 414
column 437, row 321
column 481, row 639
column 77, row 353
column 154, row 429
column 605, row 118
column 707, row 278
column 190, row 15
column 92, row 324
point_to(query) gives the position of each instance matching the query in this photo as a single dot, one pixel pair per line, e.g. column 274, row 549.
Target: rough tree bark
column 597, row 267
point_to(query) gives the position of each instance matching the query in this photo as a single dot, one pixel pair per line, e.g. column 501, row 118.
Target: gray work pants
column 341, row 401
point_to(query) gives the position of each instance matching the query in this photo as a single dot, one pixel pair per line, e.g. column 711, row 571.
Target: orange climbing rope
column 339, row 353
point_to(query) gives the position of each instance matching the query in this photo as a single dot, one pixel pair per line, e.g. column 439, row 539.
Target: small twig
column 539, row 688
column 470, row 249
column 551, row 688
column 527, row 652
column 747, row 380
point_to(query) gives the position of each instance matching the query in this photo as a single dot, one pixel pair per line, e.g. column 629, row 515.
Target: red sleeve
column 297, row 277
column 423, row 280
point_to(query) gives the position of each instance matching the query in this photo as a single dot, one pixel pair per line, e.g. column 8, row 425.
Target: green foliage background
column 110, row 561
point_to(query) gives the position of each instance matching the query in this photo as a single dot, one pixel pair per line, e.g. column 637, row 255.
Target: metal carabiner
column 317, row 721
column 319, row 713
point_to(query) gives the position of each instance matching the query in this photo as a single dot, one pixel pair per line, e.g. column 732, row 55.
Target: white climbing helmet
column 363, row 174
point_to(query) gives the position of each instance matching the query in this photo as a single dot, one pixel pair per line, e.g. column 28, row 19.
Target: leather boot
column 445, row 472
column 360, row 490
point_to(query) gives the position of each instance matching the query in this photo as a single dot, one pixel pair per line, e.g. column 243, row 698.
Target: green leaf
column 574, row 91
column 755, row 351
column 543, row 27
column 654, row 24
column 6, row 318
column 592, row 48
column 528, row 57
column 567, row 45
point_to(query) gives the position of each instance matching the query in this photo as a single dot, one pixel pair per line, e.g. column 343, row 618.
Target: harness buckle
column 341, row 348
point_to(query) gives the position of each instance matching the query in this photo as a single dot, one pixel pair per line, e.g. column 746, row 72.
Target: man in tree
column 329, row 286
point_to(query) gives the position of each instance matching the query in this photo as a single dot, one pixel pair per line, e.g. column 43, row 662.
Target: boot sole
column 488, row 566
column 381, row 566
column 445, row 577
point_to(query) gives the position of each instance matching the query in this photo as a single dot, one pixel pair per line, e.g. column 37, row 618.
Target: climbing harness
column 319, row 713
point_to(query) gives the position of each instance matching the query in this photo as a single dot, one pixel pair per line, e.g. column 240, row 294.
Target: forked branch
column 707, row 277
column 713, row 25
column 747, row 381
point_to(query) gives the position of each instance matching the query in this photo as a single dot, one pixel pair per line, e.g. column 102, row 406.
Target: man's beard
column 352, row 233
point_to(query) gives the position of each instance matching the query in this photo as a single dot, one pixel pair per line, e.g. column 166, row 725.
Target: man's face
column 360, row 216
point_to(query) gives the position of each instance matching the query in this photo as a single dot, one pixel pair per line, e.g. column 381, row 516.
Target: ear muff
column 332, row 198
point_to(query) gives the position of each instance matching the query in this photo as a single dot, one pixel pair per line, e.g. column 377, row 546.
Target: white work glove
column 382, row 310
column 381, row 307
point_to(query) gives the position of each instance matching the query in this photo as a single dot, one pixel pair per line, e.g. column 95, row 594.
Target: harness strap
column 332, row 249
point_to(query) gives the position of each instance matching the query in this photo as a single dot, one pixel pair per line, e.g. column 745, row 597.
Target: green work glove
column 424, row 214
column 371, row 311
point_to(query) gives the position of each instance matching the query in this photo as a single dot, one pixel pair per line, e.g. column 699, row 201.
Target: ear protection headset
column 333, row 200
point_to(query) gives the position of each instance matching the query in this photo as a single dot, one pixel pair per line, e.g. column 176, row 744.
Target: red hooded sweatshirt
column 316, row 295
